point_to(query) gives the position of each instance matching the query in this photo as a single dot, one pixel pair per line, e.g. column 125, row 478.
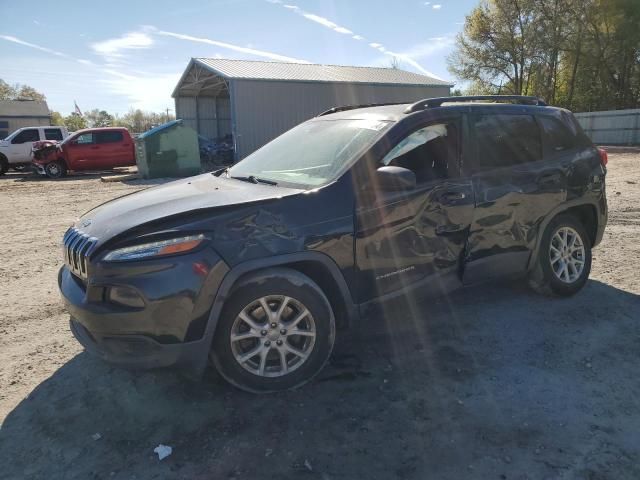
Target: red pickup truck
column 90, row 149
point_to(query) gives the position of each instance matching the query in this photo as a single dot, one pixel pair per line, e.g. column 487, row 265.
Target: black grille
column 77, row 247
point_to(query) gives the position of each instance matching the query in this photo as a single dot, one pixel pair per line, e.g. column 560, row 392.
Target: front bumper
column 168, row 331
column 38, row 168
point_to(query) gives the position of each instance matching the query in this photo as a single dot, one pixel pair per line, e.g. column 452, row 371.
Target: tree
column 19, row 92
column 25, row 92
column 57, row 119
column 75, row 122
column 7, row 92
column 139, row 121
column 580, row 54
column 394, row 63
column 98, row 118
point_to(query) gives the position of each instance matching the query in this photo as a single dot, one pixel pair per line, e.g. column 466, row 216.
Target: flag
column 77, row 109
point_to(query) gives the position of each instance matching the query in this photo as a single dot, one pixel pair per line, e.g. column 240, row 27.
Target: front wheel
column 55, row 169
column 275, row 333
column 564, row 258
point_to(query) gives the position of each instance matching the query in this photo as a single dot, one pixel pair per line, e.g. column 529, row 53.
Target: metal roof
column 310, row 72
column 23, row 108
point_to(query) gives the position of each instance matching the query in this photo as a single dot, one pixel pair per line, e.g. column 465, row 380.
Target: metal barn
column 254, row 102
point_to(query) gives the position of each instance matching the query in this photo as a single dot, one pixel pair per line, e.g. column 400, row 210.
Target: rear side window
column 52, row 134
column 29, row 135
column 109, row 137
column 558, row 136
column 506, row 140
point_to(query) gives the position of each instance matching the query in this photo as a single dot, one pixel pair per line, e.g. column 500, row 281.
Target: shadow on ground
column 491, row 382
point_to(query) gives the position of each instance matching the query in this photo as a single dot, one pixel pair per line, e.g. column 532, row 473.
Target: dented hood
column 180, row 197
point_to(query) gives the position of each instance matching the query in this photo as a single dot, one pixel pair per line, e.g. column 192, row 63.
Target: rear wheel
column 55, row 169
column 564, row 259
column 276, row 332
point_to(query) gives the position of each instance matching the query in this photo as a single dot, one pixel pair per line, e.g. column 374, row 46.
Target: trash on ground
column 163, row 451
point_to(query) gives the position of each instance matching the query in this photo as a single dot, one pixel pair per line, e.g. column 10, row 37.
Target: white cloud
column 150, row 92
column 427, row 3
column 229, row 46
column 114, row 47
column 142, row 90
column 437, row 6
column 409, row 57
column 12, row 39
column 325, row 22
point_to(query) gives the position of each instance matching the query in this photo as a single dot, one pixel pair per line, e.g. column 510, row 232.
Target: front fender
column 230, row 279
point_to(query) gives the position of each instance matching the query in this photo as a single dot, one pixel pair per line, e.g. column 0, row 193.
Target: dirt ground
column 493, row 382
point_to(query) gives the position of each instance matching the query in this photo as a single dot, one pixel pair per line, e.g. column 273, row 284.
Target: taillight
column 604, row 158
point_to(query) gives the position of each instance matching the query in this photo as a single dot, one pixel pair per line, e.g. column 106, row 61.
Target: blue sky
column 120, row 54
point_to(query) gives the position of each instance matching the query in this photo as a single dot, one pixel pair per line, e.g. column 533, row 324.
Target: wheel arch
column 585, row 211
column 317, row 266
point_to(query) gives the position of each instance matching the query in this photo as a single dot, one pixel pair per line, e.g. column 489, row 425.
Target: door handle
column 94, row 148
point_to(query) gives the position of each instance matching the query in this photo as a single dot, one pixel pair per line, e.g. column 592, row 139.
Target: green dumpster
column 168, row 150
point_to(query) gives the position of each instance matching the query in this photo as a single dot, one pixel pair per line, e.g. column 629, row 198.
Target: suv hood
column 179, row 197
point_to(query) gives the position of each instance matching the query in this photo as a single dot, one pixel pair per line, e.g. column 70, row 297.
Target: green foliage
column 138, row 121
column 19, row 92
column 57, row 119
column 98, row 118
column 75, row 122
column 580, row 54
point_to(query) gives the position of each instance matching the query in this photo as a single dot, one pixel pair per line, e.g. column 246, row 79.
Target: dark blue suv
column 257, row 265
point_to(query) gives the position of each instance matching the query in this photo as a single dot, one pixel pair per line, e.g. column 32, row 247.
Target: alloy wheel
column 273, row 336
column 567, row 254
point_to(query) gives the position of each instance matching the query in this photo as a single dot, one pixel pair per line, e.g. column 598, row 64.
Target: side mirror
column 394, row 179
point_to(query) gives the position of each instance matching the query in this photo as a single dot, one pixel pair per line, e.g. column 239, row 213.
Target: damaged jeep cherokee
column 255, row 266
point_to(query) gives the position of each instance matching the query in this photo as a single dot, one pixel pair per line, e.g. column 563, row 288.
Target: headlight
column 155, row 249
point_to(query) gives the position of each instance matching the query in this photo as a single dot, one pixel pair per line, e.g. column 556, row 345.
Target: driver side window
column 85, row 139
column 431, row 152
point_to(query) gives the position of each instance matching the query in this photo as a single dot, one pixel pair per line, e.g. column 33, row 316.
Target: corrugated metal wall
column 207, row 124
column 209, row 116
column 265, row 109
column 186, row 110
column 612, row 127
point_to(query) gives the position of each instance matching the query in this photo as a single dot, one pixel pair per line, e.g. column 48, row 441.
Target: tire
column 557, row 271
column 56, row 169
column 4, row 165
column 244, row 315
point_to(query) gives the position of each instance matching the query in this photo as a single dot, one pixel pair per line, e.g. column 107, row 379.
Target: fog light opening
column 125, row 296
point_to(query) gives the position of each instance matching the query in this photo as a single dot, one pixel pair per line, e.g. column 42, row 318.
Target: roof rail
column 344, row 108
column 437, row 102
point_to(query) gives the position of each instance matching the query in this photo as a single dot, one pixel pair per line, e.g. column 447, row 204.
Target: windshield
column 311, row 154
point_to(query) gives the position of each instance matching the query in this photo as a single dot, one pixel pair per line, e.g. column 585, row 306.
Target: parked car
column 89, row 149
column 257, row 265
column 15, row 150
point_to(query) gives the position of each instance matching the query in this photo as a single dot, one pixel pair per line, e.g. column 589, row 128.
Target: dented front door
column 414, row 238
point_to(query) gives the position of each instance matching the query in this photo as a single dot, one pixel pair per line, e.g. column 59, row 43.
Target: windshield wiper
column 254, row 179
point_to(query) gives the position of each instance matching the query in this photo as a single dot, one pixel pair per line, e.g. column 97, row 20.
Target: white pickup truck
column 15, row 150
